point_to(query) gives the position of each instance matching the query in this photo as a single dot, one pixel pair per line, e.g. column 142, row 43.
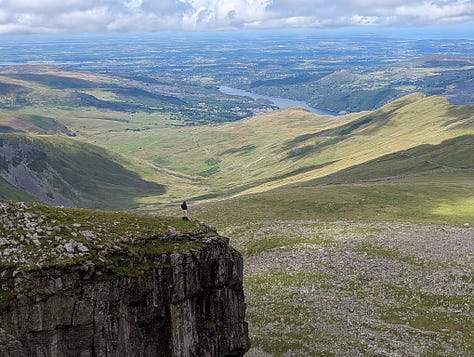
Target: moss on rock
column 34, row 236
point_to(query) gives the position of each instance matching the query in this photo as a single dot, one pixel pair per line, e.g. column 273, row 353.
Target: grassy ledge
column 33, row 236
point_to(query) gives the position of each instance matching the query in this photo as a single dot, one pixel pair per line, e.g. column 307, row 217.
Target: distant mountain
column 42, row 85
column 34, row 88
column 352, row 89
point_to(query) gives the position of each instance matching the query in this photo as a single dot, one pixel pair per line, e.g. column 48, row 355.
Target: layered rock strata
column 187, row 303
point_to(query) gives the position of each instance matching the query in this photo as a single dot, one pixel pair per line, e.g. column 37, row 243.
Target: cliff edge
column 93, row 283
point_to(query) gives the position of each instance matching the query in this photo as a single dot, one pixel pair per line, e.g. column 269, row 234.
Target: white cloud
column 45, row 6
column 90, row 20
column 430, row 12
column 221, row 14
column 40, row 16
column 364, row 20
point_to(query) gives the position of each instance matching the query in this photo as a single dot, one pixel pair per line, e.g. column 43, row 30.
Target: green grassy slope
column 87, row 175
column 452, row 157
column 292, row 145
column 406, row 123
column 426, row 184
column 439, row 200
column 30, row 123
column 248, row 156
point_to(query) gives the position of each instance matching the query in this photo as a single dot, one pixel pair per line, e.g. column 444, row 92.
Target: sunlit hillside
column 291, row 145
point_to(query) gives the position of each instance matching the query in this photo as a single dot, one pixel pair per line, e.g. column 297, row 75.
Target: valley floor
column 357, row 289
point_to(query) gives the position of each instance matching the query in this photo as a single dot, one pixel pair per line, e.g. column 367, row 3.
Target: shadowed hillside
column 66, row 172
column 30, row 123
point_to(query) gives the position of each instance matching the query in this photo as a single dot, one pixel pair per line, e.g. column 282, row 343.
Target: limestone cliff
column 162, row 288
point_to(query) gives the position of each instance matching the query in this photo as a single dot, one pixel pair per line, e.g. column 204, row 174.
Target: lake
column 277, row 101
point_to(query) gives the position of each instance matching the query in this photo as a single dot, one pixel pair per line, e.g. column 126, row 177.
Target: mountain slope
column 66, row 172
column 293, row 145
column 251, row 155
column 406, row 123
column 30, row 123
column 452, row 157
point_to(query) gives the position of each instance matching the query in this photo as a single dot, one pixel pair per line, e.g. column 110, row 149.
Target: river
column 278, row 102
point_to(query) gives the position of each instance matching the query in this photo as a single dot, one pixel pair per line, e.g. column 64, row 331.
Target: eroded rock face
column 24, row 166
column 9, row 346
column 180, row 304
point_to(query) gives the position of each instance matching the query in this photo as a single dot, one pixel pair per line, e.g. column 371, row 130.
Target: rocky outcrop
column 9, row 346
column 177, row 303
column 188, row 304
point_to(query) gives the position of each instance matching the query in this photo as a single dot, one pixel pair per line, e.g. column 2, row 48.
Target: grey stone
column 9, row 346
column 69, row 247
column 192, row 307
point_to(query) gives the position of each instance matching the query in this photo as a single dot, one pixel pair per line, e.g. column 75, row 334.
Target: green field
column 444, row 201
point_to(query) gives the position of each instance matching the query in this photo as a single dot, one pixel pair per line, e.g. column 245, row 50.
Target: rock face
column 192, row 304
column 173, row 303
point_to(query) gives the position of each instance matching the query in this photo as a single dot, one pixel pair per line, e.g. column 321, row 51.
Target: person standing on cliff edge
column 184, row 211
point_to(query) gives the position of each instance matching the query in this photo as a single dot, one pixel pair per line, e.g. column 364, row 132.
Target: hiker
column 184, row 209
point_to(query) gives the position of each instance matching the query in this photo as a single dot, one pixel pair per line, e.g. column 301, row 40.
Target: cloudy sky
column 80, row 16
